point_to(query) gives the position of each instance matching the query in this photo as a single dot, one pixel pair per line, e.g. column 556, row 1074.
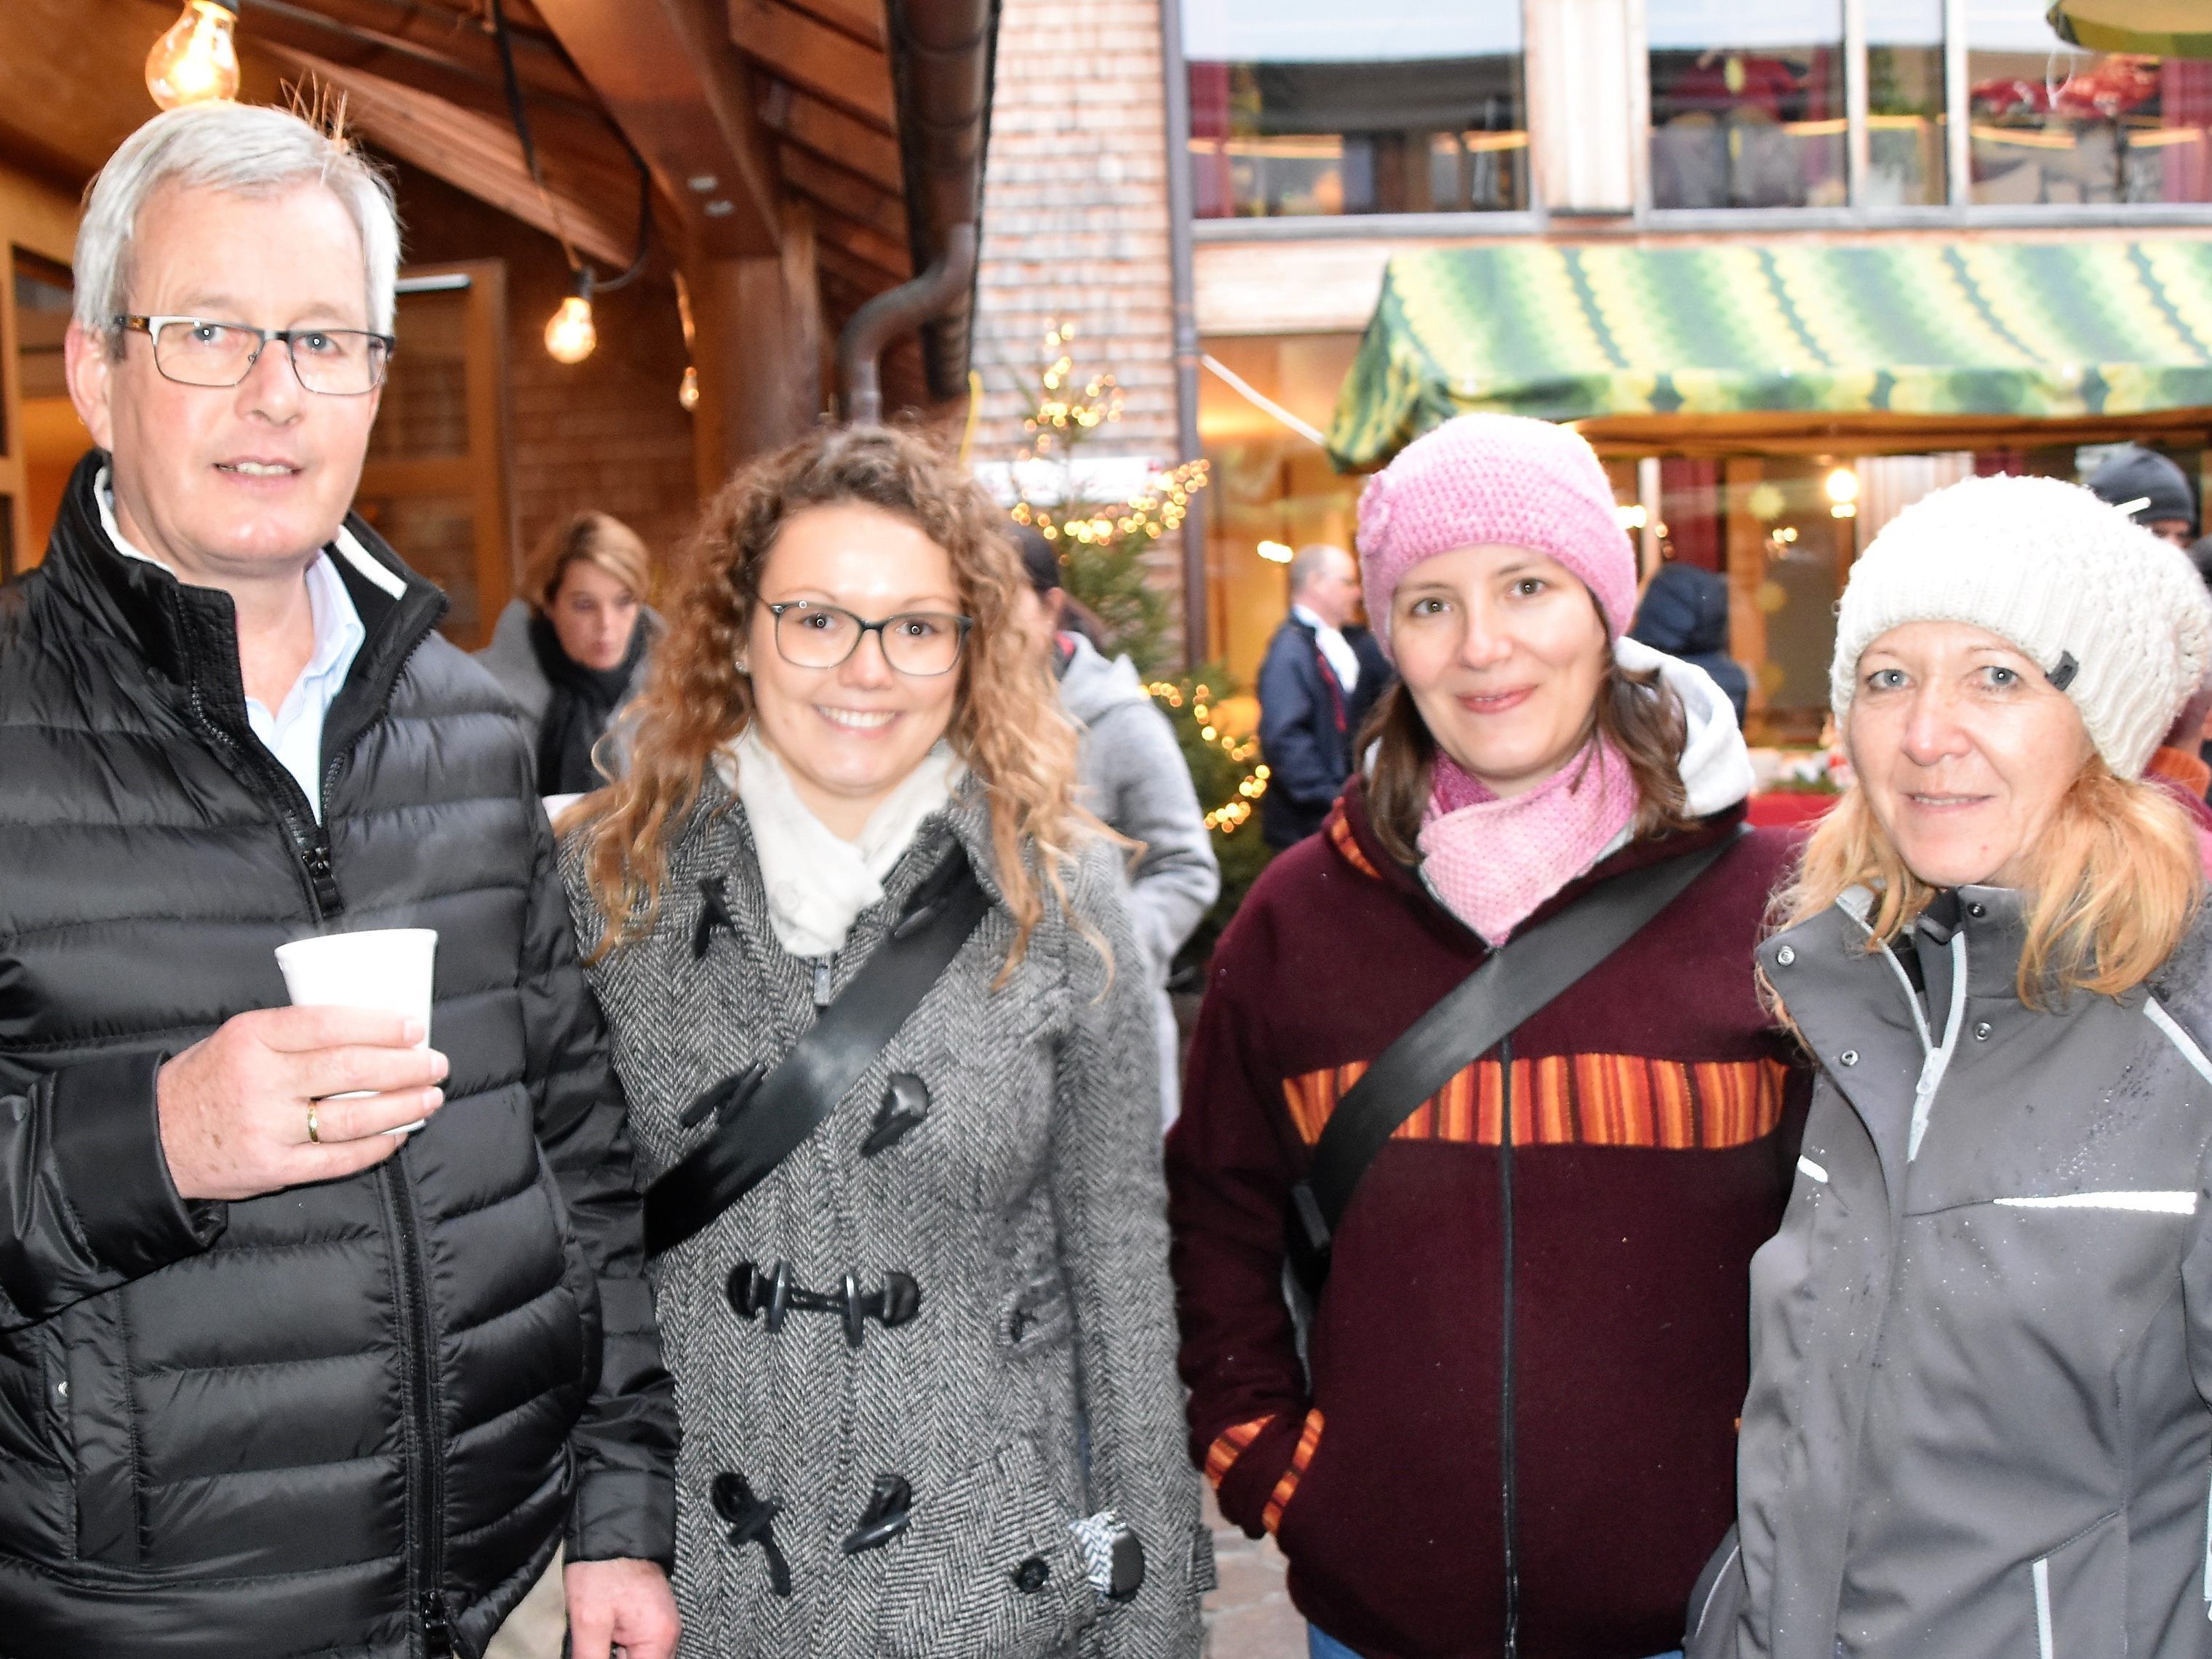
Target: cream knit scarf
column 817, row 882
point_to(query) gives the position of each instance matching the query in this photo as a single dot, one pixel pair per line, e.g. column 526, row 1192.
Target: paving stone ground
column 1251, row 1616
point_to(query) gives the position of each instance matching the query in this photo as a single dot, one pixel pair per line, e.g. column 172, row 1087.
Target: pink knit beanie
column 1502, row 478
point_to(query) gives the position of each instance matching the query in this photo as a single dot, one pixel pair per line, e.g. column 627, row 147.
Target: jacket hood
column 1090, row 684
column 1716, row 764
column 1685, row 611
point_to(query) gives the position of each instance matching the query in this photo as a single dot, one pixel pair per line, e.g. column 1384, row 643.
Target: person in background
column 277, row 1379
column 2150, row 489
column 1320, row 677
column 1134, row 779
column 1685, row 613
column 1516, row 1406
column 1982, row 1340
column 572, row 649
column 890, row 1349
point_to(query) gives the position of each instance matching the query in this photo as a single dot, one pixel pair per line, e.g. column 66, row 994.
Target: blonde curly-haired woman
column 925, row 1364
column 1983, row 1337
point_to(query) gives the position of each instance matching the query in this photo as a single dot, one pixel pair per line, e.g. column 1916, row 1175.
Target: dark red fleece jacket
column 1655, row 1108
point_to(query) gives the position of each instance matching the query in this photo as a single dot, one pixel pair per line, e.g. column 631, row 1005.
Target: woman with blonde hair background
column 889, row 1341
column 572, row 648
column 1983, row 1337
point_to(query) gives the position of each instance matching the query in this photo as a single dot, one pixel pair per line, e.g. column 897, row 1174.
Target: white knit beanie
column 2119, row 619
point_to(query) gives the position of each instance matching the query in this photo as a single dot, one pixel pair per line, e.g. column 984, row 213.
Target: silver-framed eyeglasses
column 338, row 362
column 922, row 643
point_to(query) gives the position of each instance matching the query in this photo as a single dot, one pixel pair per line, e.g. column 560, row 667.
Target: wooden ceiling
column 739, row 108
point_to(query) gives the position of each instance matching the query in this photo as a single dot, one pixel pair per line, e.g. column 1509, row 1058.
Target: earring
column 744, row 664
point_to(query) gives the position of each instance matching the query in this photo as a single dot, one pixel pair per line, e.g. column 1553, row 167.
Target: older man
column 1320, row 676
column 275, row 1380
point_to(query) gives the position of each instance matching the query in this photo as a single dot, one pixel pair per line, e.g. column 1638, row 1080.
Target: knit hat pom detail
column 2046, row 566
column 1496, row 480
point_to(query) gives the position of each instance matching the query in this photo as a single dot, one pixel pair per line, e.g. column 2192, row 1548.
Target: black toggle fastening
column 1032, row 1576
column 753, row 1293
column 714, row 912
column 752, row 1520
column 889, row 1507
column 906, row 1103
column 726, row 1098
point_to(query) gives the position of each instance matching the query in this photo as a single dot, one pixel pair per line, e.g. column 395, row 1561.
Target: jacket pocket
column 581, row 1284
column 2077, row 1595
column 990, row 1567
column 1716, row 1603
column 95, row 1400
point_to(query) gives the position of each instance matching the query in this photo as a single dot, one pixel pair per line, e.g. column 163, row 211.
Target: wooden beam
column 593, row 200
column 879, row 252
column 808, row 52
column 757, row 347
column 861, row 275
column 862, row 200
column 863, row 20
column 442, row 33
column 830, row 133
column 674, row 83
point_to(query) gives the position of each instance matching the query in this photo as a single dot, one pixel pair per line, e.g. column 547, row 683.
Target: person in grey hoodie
column 1982, row 1338
column 1135, row 781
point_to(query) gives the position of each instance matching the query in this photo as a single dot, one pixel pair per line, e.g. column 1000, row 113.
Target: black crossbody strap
column 1516, row 980
column 756, row 1132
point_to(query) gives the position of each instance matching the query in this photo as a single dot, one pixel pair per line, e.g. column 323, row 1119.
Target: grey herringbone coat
column 1028, row 1206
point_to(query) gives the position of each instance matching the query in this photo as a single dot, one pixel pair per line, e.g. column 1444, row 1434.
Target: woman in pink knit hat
column 1506, row 1426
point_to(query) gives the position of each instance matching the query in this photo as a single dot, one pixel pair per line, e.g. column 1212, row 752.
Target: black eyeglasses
column 922, row 643
column 338, row 362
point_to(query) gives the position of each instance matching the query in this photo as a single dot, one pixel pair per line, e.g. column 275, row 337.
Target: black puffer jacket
column 340, row 1419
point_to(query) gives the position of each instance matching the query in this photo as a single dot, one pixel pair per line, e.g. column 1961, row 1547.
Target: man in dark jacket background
column 1320, row 676
column 1685, row 613
column 273, row 1379
column 2150, row 489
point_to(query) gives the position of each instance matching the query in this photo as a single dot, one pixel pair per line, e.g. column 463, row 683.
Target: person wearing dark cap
column 2150, row 489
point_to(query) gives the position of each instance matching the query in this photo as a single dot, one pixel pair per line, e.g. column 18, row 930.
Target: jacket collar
column 188, row 636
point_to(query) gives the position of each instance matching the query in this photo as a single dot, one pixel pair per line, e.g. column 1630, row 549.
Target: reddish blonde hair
column 2116, row 883
column 1006, row 723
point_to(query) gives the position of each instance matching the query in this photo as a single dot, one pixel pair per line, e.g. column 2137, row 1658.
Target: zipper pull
column 437, row 1634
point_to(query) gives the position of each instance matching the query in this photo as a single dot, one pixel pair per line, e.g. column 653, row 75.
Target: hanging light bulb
column 196, row 61
column 688, row 393
column 570, row 336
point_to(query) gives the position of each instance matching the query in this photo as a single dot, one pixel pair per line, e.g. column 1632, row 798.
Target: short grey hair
column 1311, row 560
column 249, row 149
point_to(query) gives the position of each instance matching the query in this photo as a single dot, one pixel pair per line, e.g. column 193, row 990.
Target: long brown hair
column 2114, row 885
column 1006, row 723
column 1637, row 711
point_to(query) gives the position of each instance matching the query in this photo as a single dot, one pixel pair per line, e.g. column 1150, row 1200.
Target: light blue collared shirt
column 292, row 732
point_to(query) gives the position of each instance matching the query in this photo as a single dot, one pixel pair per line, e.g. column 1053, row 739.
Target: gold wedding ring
column 315, row 1133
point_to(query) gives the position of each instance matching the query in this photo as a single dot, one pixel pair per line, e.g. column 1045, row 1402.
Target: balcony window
column 1747, row 104
column 1316, row 108
column 2054, row 123
column 1904, row 120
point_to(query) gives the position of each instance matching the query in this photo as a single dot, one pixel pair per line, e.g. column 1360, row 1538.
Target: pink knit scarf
column 1492, row 862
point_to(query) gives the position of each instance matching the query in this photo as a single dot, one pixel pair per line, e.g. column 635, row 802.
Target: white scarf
column 817, row 881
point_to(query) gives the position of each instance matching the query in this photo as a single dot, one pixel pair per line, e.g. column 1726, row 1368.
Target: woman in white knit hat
column 1982, row 1340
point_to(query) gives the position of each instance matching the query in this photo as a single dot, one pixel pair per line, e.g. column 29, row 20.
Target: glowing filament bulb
column 571, row 336
column 196, row 61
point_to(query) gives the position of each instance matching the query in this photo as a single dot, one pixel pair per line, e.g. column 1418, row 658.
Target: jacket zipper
column 1508, row 1483
column 425, row 1453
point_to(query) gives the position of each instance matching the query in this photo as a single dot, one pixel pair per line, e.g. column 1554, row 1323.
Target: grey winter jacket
column 509, row 660
column 1134, row 778
column 1982, row 1338
column 1028, row 1206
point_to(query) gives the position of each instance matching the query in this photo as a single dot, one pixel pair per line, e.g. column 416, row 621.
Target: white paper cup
column 387, row 968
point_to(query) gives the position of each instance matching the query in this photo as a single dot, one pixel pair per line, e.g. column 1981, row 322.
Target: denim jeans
column 1322, row 1645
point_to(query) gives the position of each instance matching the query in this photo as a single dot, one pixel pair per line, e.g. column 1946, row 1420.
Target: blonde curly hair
column 1006, row 721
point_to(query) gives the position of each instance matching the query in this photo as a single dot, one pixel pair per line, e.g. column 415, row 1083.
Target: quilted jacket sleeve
column 84, row 1188
column 1111, row 1207
column 625, row 1445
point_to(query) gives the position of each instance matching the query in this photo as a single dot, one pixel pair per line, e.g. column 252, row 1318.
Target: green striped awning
column 1933, row 328
column 2161, row 29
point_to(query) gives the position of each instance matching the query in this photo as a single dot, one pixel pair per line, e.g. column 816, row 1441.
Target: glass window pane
column 2054, row 123
column 1905, row 104
column 1312, row 106
column 1747, row 104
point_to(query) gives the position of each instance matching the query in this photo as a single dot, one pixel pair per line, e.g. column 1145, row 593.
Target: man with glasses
column 277, row 1375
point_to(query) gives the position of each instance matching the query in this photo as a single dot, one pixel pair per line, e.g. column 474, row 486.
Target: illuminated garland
column 1227, row 763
